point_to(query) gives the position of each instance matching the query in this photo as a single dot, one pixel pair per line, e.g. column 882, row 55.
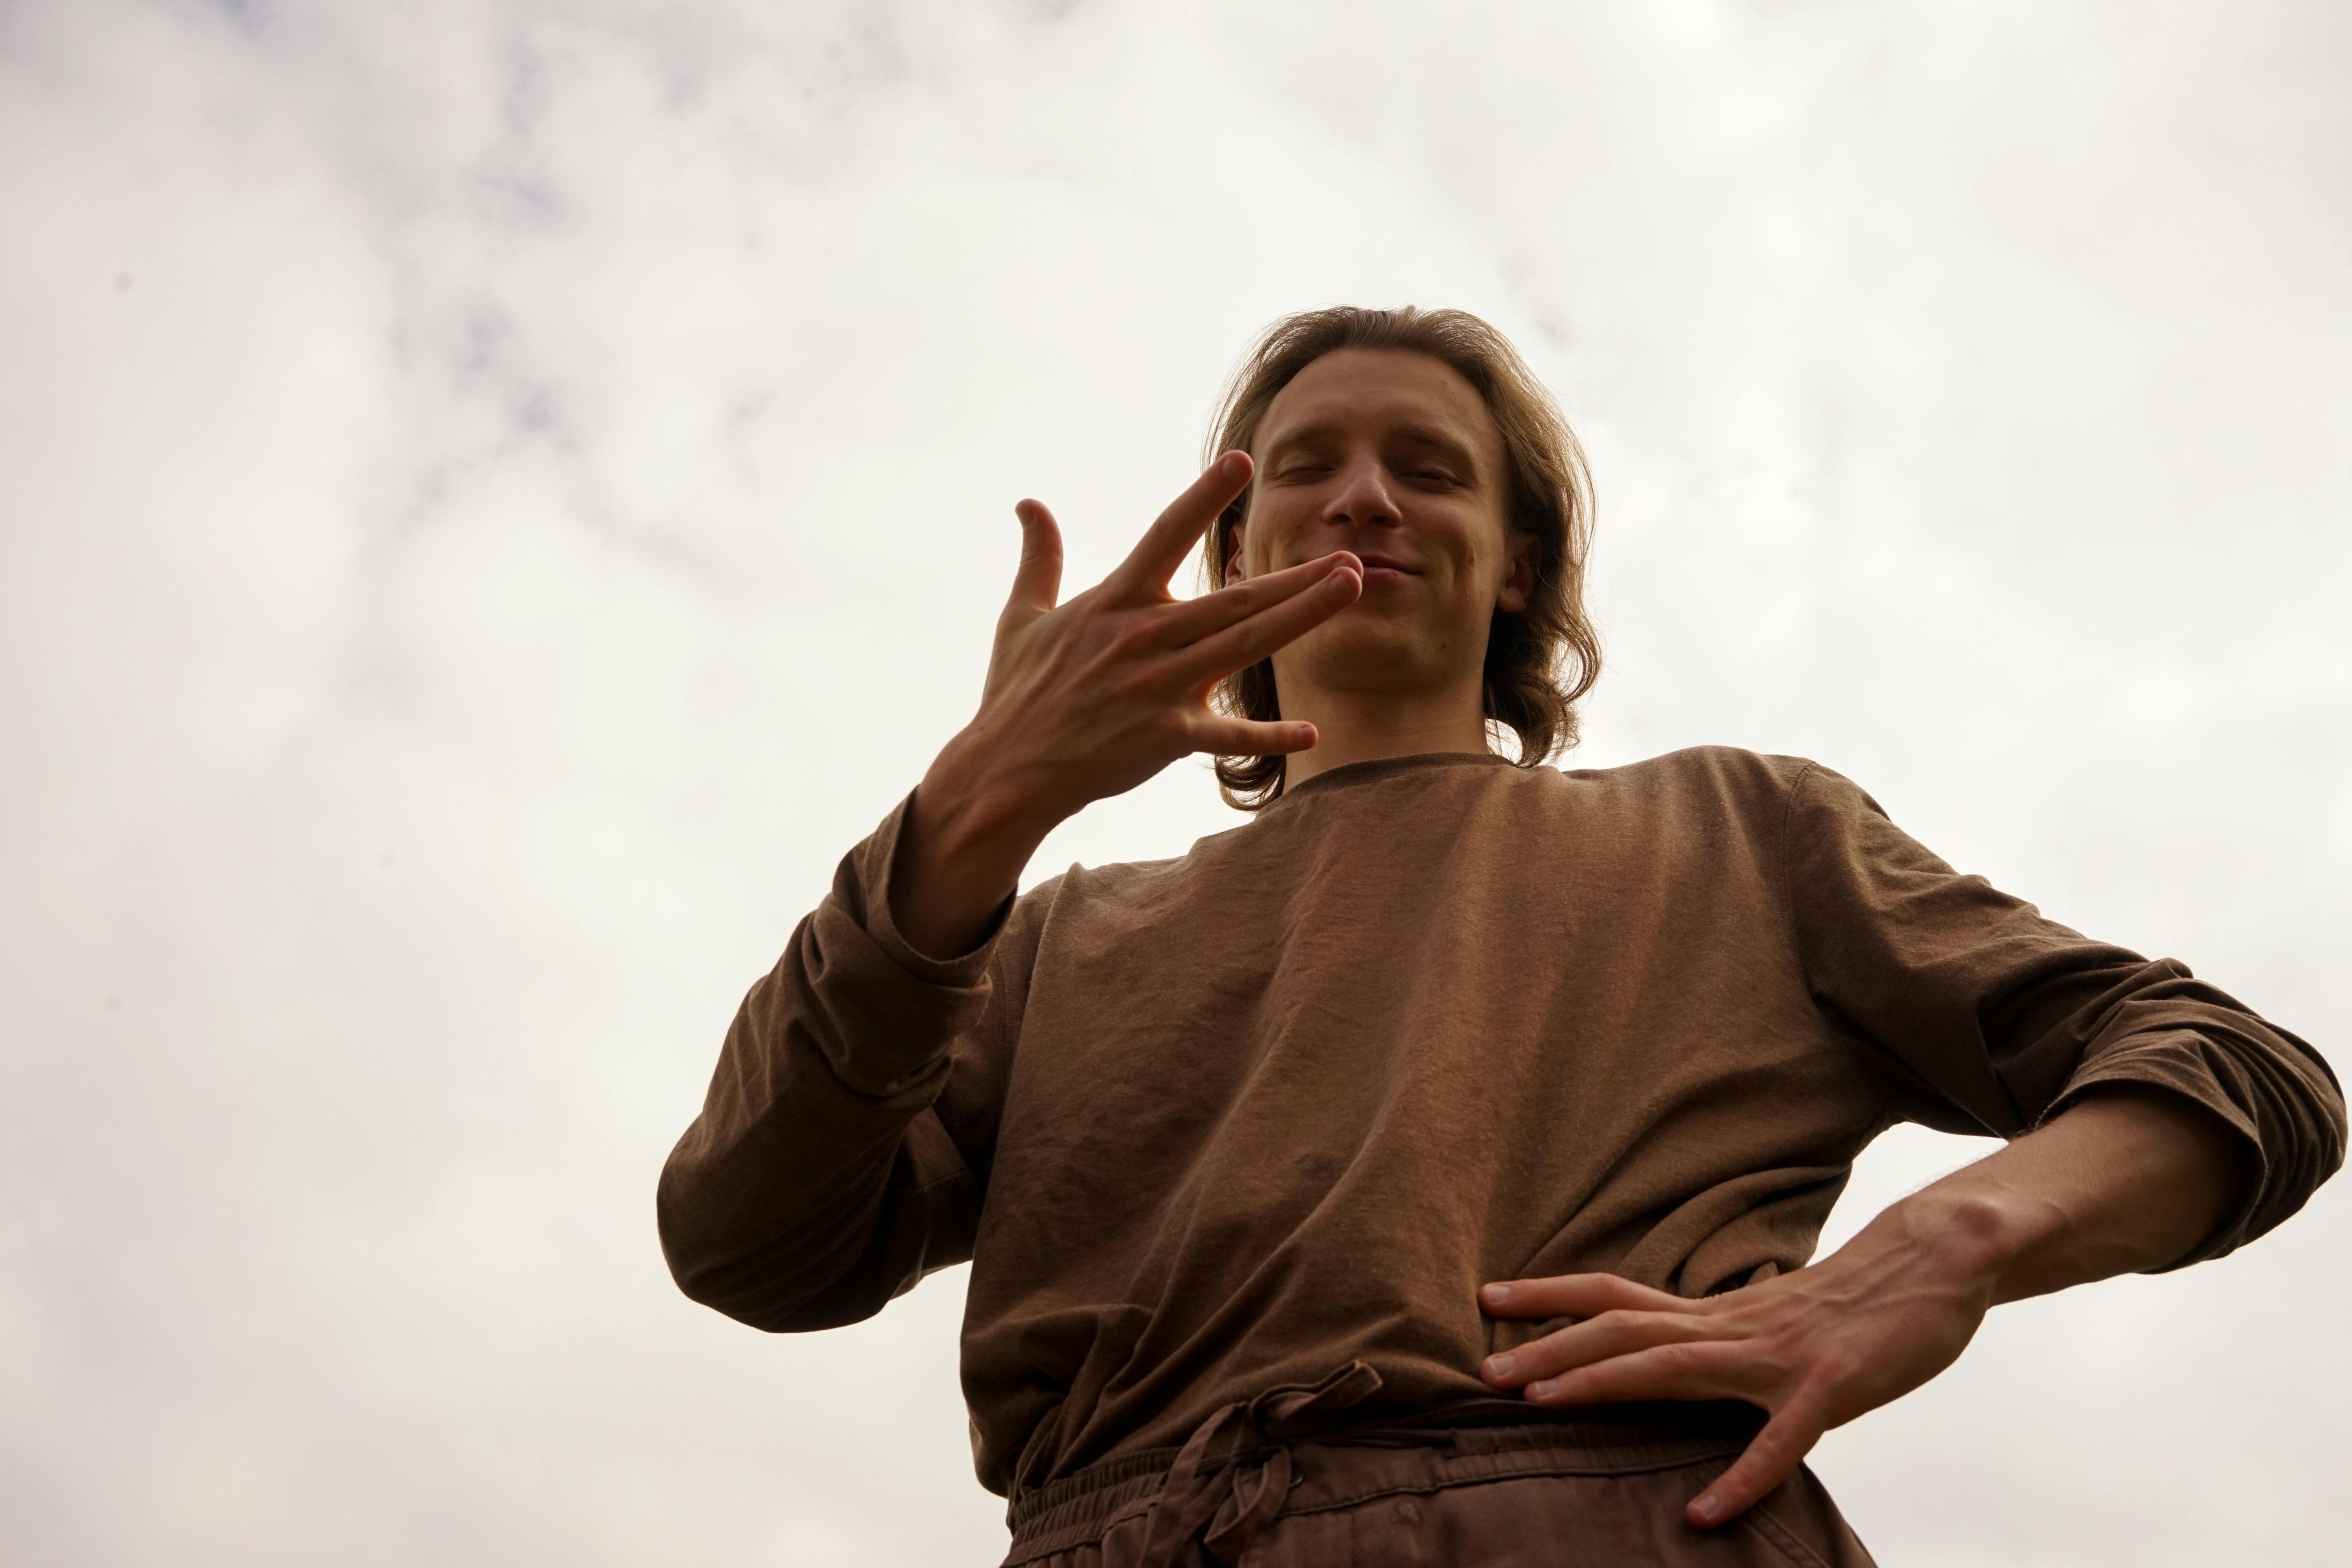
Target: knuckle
column 1129, row 688
column 1838, row 1371
column 1132, row 639
column 1536, row 1358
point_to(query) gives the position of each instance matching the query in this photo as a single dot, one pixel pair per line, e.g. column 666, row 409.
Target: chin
column 1353, row 652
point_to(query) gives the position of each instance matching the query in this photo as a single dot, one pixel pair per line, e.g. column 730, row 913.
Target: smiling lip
column 1381, row 569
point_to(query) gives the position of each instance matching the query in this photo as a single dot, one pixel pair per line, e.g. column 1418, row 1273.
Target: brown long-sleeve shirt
column 1207, row 1125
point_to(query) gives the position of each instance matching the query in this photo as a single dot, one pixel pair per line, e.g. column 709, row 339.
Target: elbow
column 724, row 1291
column 780, row 1284
column 739, row 1286
column 759, row 1297
column 715, row 1269
column 695, row 1266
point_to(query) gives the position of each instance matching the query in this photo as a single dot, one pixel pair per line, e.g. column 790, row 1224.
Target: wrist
column 973, row 815
column 962, row 848
column 1965, row 1236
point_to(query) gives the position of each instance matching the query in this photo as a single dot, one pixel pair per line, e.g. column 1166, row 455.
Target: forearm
column 2123, row 1181
column 2126, row 1178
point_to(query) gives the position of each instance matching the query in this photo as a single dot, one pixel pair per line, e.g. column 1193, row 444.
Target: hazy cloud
column 500, row 496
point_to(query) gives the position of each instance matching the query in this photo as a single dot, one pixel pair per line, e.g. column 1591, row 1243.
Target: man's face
column 1393, row 455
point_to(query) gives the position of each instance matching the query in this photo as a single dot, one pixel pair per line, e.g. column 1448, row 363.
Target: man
column 1429, row 1170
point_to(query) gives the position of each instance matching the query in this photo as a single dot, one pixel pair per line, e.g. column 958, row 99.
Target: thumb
column 1037, row 582
column 1771, row 1456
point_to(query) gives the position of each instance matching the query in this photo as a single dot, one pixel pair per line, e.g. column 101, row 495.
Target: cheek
column 1487, row 553
column 1267, row 540
column 1474, row 556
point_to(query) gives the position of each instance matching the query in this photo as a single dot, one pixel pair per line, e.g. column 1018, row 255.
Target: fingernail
column 1501, row 1365
column 1496, row 1295
column 1707, row 1507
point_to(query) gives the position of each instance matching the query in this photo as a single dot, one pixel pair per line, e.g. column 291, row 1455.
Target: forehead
column 1373, row 390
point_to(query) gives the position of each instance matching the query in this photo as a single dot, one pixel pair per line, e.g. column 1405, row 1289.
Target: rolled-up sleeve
column 2003, row 1018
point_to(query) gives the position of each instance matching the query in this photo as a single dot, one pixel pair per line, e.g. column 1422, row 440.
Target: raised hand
column 1089, row 697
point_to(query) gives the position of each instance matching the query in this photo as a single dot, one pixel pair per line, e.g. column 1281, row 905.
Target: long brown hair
column 1539, row 661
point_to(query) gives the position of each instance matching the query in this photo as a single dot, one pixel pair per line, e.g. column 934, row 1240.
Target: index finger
column 1574, row 1296
column 1175, row 531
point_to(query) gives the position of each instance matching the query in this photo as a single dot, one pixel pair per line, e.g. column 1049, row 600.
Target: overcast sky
column 498, row 495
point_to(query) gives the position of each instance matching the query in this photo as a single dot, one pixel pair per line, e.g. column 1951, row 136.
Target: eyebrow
column 1414, row 435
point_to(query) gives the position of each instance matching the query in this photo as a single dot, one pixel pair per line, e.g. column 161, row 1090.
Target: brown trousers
column 1277, row 1484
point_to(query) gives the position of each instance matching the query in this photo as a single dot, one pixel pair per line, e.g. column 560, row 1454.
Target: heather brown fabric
column 1209, row 1126
column 1492, row 1483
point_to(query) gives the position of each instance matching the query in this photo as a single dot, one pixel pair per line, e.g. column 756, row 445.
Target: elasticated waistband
column 1456, row 1445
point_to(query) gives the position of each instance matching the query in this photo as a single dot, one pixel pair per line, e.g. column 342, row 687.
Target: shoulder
column 1727, row 774
column 1718, row 794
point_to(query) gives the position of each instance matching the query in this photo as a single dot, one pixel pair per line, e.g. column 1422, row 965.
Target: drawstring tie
column 1227, row 1517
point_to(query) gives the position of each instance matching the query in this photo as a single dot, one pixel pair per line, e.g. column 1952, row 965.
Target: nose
column 1363, row 495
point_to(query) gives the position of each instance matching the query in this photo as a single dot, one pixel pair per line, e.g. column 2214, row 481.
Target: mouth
column 1381, row 569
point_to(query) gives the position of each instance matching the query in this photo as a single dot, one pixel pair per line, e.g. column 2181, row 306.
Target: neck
column 1361, row 726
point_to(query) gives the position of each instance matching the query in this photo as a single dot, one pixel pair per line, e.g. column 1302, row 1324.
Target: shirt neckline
column 1377, row 768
